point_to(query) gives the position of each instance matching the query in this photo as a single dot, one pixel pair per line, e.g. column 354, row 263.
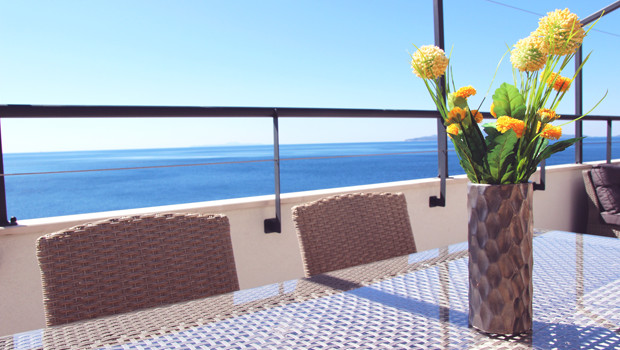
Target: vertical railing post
column 3, row 210
column 609, row 137
column 442, row 138
column 579, row 87
column 578, row 108
column 275, row 224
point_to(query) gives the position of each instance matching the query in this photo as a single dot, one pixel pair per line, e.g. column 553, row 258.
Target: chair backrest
column 124, row 264
column 590, row 190
column 606, row 181
column 352, row 229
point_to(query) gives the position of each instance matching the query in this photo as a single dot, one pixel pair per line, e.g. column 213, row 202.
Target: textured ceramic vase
column 500, row 257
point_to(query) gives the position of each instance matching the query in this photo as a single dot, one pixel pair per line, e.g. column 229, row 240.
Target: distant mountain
column 423, row 139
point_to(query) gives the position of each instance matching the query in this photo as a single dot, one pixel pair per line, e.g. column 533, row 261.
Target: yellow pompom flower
column 529, row 54
column 551, row 132
column 477, row 115
column 465, row 92
column 456, row 114
column 558, row 82
column 429, row 62
column 547, row 115
column 505, row 123
column 452, row 129
column 561, row 31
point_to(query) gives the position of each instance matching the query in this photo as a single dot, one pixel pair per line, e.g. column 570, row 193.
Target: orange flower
column 505, row 123
column 558, row 82
column 551, row 132
column 456, row 114
column 547, row 115
column 477, row 115
column 465, row 92
column 492, row 111
column 453, row 129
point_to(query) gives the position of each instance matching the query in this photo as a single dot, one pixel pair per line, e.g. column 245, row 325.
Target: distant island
column 422, row 139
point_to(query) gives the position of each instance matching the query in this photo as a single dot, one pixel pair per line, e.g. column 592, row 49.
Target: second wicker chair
column 352, row 229
column 125, row 264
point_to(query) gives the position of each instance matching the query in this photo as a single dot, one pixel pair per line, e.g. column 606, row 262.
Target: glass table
column 414, row 301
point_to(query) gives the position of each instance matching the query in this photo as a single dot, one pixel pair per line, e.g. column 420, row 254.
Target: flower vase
column 500, row 236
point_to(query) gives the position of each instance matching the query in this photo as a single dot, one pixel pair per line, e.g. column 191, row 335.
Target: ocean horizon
column 45, row 184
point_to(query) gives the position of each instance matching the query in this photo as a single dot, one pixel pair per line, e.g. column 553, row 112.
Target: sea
column 63, row 183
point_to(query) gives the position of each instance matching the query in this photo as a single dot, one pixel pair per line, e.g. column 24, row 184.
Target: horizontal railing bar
column 596, row 15
column 49, row 111
column 39, row 111
column 591, row 117
column 213, row 163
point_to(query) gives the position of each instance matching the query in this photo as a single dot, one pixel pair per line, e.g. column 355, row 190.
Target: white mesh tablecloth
column 418, row 302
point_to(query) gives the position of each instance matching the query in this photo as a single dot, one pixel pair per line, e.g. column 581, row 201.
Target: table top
column 414, row 301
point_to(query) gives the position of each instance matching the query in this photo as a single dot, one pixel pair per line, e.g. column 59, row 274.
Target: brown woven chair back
column 352, row 229
column 124, row 264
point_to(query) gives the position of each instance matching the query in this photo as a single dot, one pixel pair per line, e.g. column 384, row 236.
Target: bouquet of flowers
column 518, row 140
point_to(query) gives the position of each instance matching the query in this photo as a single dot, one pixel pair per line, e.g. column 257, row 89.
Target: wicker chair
column 124, row 264
column 352, row 229
column 598, row 219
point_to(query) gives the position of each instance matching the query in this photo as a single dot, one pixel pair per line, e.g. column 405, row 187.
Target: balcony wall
column 267, row 258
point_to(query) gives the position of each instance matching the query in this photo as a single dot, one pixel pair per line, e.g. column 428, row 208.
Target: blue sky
column 302, row 53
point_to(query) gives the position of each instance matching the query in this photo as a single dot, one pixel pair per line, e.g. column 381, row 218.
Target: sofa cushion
column 606, row 180
column 611, row 219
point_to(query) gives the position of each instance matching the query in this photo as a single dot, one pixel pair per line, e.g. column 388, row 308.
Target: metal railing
column 274, row 224
column 271, row 224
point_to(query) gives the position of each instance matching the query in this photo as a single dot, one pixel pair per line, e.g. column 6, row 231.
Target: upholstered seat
column 602, row 184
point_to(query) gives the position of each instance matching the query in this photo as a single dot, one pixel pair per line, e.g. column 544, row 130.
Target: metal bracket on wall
column 541, row 185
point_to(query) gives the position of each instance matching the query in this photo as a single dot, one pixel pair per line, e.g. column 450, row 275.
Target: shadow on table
column 546, row 335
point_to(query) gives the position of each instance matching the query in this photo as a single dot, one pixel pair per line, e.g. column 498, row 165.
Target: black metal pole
column 604, row 11
column 609, row 141
column 578, row 108
column 579, row 81
column 275, row 224
column 3, row 211
column 442, row 138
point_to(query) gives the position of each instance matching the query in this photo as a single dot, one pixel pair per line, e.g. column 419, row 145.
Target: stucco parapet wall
column 51, row 224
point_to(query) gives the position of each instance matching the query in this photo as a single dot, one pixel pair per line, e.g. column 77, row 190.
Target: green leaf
column 523, row 173
column 501, row 156
column 556, row 147
column 507, row 100
column 465, row 160
column 528, row 157
column 509, row 175
column 455, row 101
column 491, row 131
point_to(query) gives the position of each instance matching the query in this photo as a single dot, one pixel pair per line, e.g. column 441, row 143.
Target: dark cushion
column 611, row 219
column 606, row 180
